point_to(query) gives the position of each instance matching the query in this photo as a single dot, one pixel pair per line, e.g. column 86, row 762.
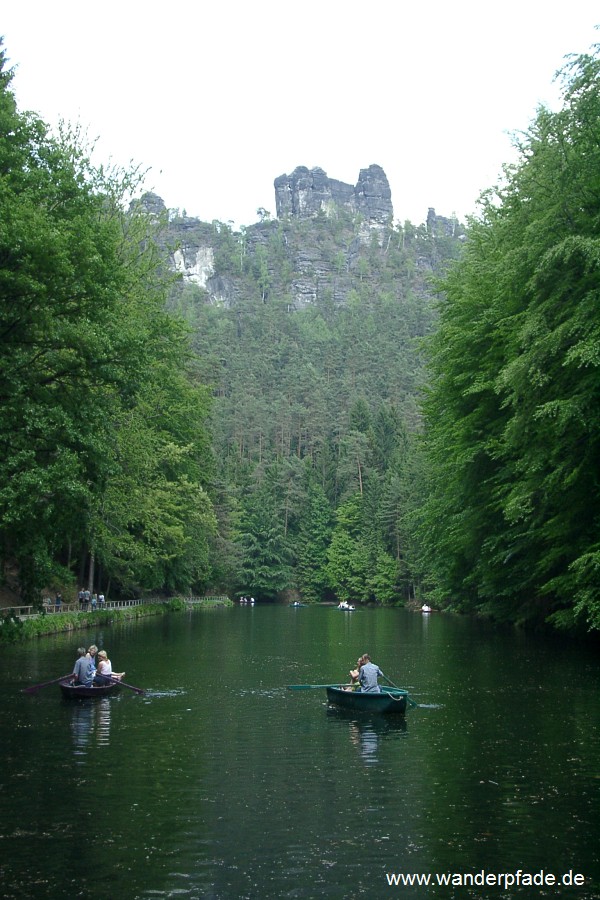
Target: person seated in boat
column 104, row 673
column 92, row 650
column 83, row 672
column 104, row 670
column 354, row 673
column 368, row 675
column 343, row 604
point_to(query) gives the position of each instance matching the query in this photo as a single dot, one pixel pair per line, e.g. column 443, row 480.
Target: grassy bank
column 13, row 629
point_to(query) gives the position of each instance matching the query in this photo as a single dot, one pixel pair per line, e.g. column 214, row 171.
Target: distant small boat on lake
column 388, row 701
column 345, row 606
column 296, row 604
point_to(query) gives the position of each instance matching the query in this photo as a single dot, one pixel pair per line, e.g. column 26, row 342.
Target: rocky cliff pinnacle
column 307, row 192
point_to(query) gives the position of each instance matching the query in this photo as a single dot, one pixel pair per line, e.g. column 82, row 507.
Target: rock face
column 440, row 226
column 194, row 264
column 188, row 243
column 328, row 238
column 308, row 192
column 152, row 204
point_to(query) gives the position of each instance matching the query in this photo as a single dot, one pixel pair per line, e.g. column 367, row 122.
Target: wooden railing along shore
column 50, row 608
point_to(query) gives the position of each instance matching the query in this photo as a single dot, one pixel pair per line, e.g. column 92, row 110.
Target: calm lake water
column 220, row 783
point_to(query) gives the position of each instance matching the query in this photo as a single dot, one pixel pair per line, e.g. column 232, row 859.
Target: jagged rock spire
column 307, row 192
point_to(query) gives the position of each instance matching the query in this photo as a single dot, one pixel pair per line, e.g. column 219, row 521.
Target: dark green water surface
column 220, row 783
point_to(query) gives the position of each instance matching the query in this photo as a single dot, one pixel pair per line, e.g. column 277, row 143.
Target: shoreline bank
column 14, row 629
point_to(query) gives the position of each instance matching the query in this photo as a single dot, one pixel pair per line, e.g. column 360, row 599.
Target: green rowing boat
column 389, row 700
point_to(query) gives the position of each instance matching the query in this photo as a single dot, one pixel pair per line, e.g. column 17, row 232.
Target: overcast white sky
column 219, row 98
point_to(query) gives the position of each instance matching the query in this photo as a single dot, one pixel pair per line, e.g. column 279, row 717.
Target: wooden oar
column 124, row 683
column 37, row 687
column 313, row 687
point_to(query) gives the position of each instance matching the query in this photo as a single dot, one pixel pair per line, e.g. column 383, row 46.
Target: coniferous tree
column 313, row 538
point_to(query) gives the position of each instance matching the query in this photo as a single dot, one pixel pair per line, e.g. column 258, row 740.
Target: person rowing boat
column 368, row 675
column 83, row 670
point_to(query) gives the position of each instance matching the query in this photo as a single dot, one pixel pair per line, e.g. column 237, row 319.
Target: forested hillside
column 254, row 438
column 320, row 405
column 316, row 401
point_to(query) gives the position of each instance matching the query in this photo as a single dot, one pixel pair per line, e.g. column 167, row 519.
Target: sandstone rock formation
column 308, row 192
column 327, row 238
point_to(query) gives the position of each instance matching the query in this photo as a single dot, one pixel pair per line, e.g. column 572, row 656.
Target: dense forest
column 315, row 413
column 513, row 427
column 106, row 459
column 420, row 423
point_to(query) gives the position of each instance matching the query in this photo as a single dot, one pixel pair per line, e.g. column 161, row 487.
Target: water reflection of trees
column 90, row 724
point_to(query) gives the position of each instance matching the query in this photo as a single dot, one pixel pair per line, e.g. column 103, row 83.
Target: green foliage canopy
column 103, row 450
column 513, row 425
